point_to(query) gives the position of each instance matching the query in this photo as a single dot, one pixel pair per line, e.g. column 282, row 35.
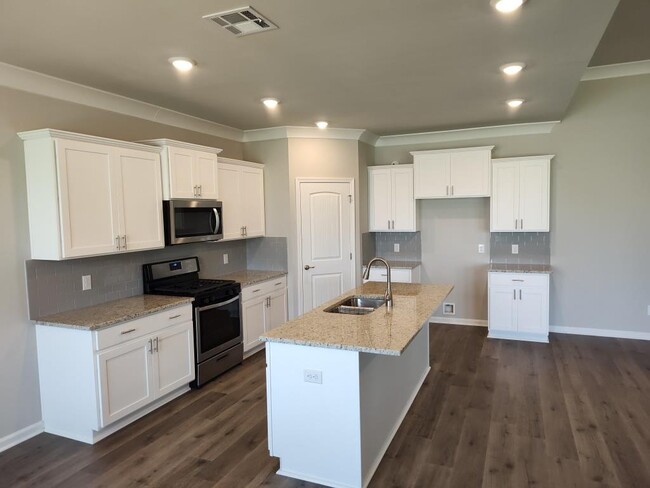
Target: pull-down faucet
column 389, row 290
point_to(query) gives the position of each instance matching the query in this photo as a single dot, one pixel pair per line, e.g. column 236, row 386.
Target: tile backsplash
column 55, row 286
column 268, row 253
column 534, row 247
column 410, row 245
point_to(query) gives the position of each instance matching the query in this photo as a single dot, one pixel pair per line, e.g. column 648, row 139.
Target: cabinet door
column 125, row 380
column 253, row 321
column 88, row 194
column 470, row 174
column 534, row 196
column 205, row 169
column 229, row 181
column 380, row 199
column 277, row 310
column 502, row 308
column 532, row 309
column 252, row 198
column 432, row 175
column 403, row 200
column 141, row 219
column 173, row 358
column 504, row 213
column 181, row 173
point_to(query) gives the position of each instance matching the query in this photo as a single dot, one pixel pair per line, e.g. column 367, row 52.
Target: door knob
column 307, row 267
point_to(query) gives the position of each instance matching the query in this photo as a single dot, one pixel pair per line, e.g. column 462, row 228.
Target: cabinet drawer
column 133, row 329
column 518, row 279
column 263, row 288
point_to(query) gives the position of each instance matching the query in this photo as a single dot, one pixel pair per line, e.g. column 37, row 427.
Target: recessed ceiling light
column 507, row 6
column 321, row 124
column 270, row 102
column 182, row 64
column 512, row 69
column 515, row 102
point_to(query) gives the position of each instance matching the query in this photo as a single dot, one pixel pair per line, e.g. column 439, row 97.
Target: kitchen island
column 339, row 385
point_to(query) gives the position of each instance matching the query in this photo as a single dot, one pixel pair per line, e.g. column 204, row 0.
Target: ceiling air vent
column 242, row 21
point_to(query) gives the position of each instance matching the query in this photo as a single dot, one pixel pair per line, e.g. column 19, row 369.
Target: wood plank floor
column 573, row 413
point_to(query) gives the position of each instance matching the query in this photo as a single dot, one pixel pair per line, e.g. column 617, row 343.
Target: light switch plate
column 515, row 249
column 481, row 248
column 313, row 376
column 396, row 247
column 225, row 258
column 86, row 282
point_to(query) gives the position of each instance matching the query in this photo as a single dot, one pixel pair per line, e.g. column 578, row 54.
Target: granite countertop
column 520, row 268
column 379, row 332
column 110, row 313
column 400, row 264
column 249, row 277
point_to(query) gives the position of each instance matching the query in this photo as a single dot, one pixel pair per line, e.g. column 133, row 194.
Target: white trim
column 522, row 158
column 21, row 435
column 369, row 138
column 517, row 336
column 612, row 333
column 396, row 426
column 458, row 321
column 293, row 132
column 634, row 68
column 185, row 145
column 311, row 479
column 240, row 162
column 75, row 136
column 456, row 149
column 26, row 80
column 467, row 134
column 353, row 231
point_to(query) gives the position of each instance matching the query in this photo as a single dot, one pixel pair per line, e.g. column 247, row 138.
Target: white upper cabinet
column 452, row 173
column 241, row 190
column 520, row 194
column 391, row 203
column 188, row 170
column 89, row 196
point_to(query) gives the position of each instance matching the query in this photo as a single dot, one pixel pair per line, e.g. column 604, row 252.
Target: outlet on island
column 313, row 376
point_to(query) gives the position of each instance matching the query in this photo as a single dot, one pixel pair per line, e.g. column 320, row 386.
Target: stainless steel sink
column 357, row 305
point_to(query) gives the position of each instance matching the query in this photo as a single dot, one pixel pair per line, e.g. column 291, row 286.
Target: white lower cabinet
column 518, row 306
column 95, row 382
column 397, row 275
column 264, row 307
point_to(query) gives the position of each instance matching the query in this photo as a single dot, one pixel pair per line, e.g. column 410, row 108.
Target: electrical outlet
column 225, row 258
column 481, row 248
column 86, row 282
column 313, row 376
column 449, row 309
column 515, row 249
column 396, row 247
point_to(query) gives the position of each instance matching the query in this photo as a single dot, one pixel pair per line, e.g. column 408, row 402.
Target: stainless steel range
column 217, row 313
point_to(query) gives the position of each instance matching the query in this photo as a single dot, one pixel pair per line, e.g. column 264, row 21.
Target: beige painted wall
column 600, row 211
column 19, row 111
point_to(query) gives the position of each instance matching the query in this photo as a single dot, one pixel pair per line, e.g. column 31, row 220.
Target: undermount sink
column 357, row 305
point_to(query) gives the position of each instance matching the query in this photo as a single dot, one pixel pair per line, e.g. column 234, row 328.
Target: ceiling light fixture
column 182, row 64
column 321, row 124
column 507, row 6
column 512, row 69
column 515, row 102
column 270, row 102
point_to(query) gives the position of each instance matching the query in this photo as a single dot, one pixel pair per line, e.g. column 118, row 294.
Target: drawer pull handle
column 174, row 316
column 519, row 280
column 255, row 291
column 279, row 283
column 127, row 331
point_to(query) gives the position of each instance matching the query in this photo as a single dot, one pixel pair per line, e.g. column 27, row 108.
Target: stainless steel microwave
column 192, row 221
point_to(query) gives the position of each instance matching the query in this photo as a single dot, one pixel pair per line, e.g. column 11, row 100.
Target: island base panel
column 336, row 432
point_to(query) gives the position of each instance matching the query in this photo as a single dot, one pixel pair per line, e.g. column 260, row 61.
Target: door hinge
column 350, row 198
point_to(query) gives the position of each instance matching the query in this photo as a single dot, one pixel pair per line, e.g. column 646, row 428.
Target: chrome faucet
column 389, row 290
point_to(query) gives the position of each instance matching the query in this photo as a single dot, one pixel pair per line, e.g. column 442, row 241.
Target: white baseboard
column 458, row 321
column 21, row 435
column 616, row 334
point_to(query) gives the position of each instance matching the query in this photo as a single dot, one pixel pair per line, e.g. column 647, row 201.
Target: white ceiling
column 382, row 65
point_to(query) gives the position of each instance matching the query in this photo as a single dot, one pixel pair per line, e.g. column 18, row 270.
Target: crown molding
column 634, row 68
column 160, row 143
column 294, row 132
column 26, row 80
column 467, row 134
column 75, row 136
column 459, row 149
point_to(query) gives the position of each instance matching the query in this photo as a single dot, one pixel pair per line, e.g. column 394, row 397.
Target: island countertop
column 379, row 332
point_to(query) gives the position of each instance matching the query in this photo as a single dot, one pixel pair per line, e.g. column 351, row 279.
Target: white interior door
column 327, row 237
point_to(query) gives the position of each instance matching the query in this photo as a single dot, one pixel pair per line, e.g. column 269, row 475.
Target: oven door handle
column 209, row 307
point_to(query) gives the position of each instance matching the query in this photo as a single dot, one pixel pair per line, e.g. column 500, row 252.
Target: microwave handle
column 215, row 229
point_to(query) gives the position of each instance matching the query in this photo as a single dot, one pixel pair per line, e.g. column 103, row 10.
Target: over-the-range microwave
column 192, row 221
